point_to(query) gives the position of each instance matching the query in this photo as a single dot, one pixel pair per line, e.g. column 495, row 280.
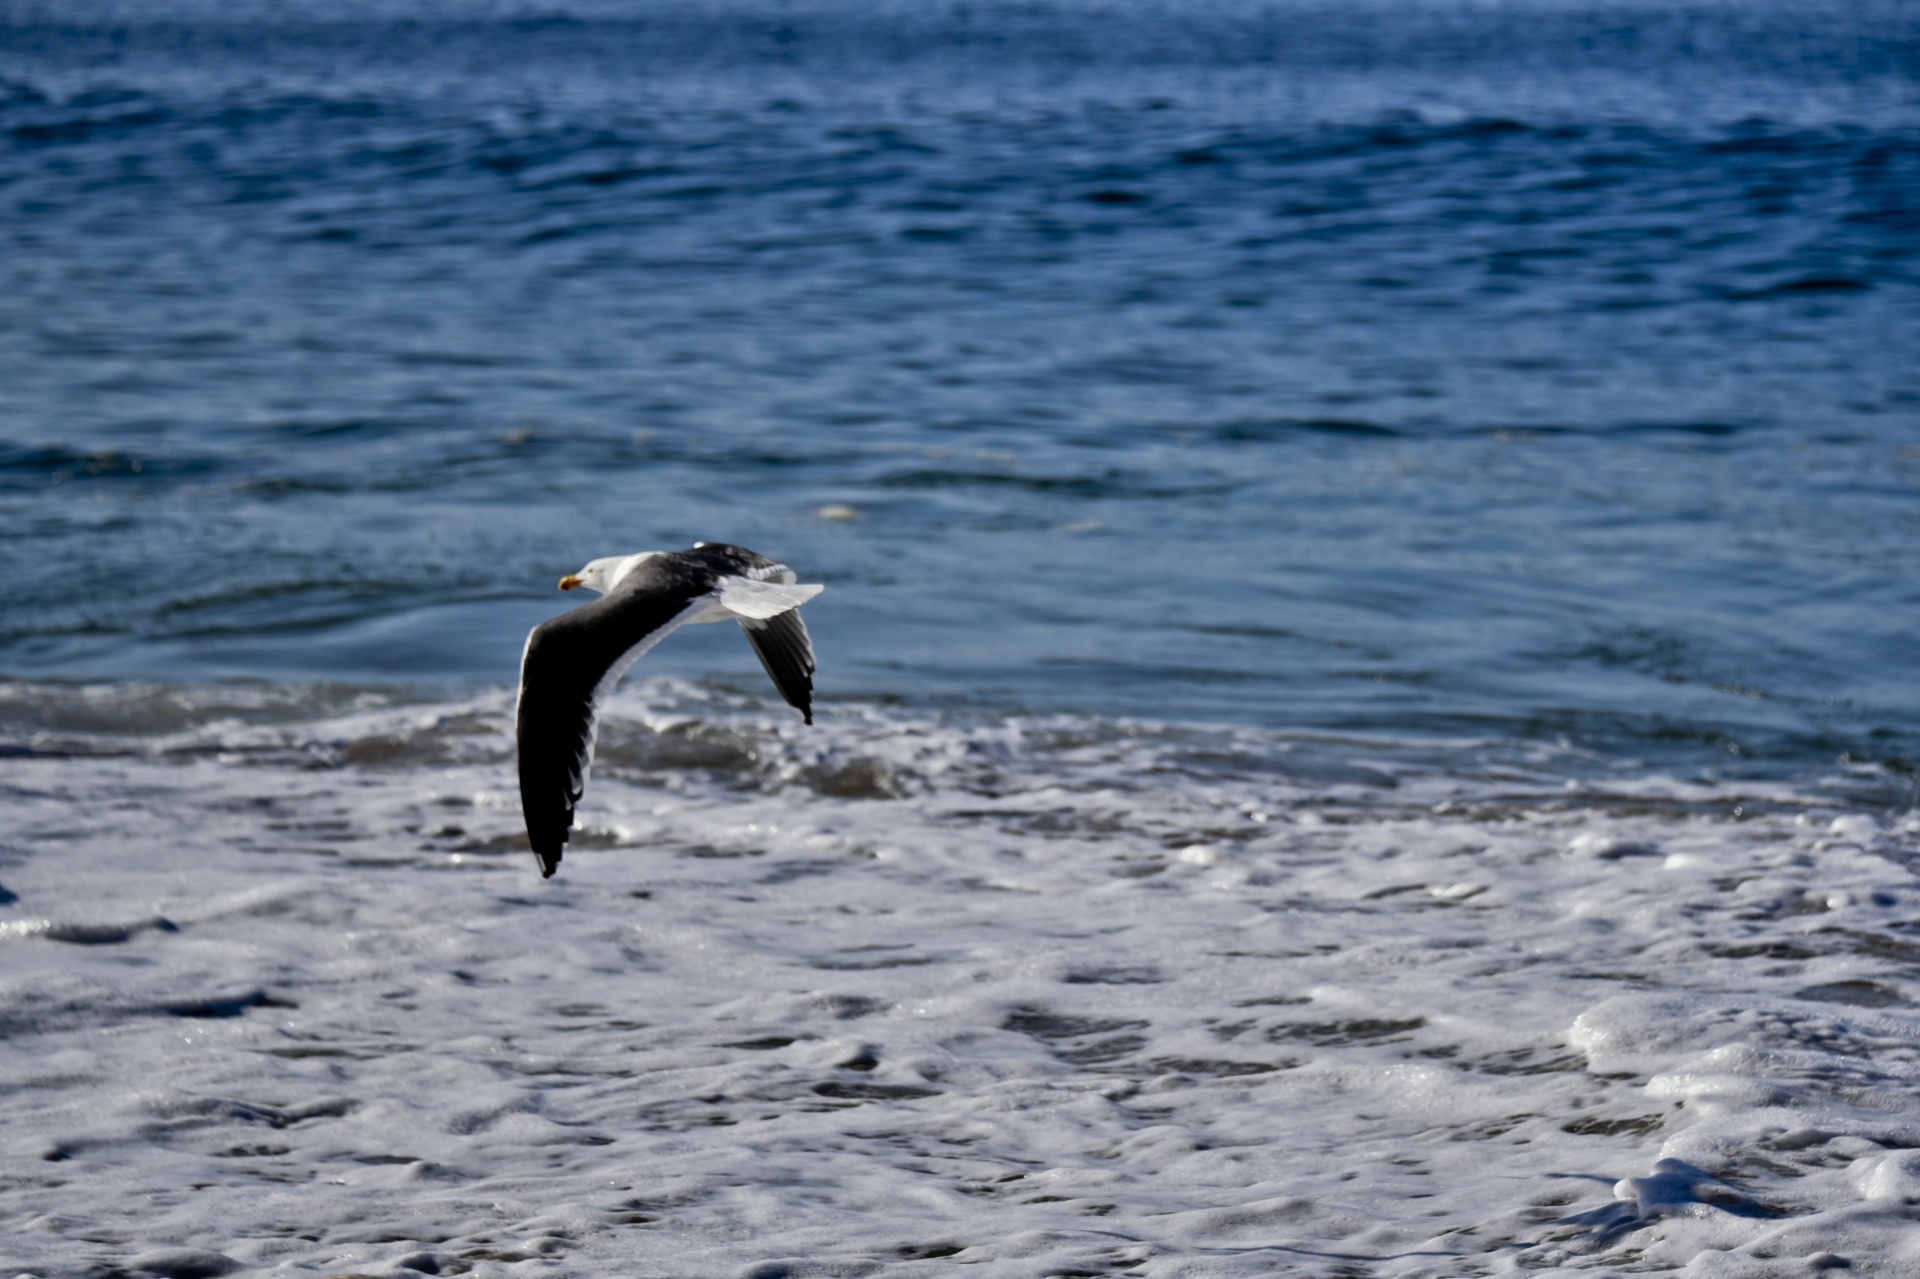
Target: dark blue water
column 1533, row 372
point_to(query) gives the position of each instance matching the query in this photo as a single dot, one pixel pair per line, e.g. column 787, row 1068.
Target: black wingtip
column 549, row 862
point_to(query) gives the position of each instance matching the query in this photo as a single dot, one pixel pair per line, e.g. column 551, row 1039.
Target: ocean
column 1366, row 718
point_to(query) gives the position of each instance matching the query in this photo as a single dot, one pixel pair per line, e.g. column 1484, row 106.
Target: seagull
column 574, row 660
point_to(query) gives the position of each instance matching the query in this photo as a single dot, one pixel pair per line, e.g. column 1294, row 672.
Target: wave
column 1076, row 989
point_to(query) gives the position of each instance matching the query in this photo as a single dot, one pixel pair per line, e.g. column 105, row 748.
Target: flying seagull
column 574, row 660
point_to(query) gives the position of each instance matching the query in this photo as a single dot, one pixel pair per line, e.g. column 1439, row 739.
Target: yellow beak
column 568, row 582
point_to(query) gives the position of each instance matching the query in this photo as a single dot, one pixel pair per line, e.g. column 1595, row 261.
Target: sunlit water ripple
column 1537, row 373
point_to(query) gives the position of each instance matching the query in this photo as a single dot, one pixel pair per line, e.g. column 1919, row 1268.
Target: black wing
column 784, row 648
column 723, row 557
column 569, row 663
column 780, row 642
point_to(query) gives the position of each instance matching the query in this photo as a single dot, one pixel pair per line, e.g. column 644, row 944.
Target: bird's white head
column 603, row 574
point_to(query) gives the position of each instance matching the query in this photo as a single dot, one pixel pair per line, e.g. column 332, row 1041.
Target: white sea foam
column 895, row 994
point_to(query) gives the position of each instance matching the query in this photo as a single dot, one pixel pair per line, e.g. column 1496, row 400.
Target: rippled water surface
column 1536, row 371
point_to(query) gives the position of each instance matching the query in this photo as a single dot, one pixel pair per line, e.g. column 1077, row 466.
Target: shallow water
column 1045, row 996
column 1367, row 722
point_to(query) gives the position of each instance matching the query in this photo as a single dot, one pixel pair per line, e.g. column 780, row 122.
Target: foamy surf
column 282, row 992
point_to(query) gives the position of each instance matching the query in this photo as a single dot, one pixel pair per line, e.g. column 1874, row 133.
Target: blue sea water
column 1538, row 374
